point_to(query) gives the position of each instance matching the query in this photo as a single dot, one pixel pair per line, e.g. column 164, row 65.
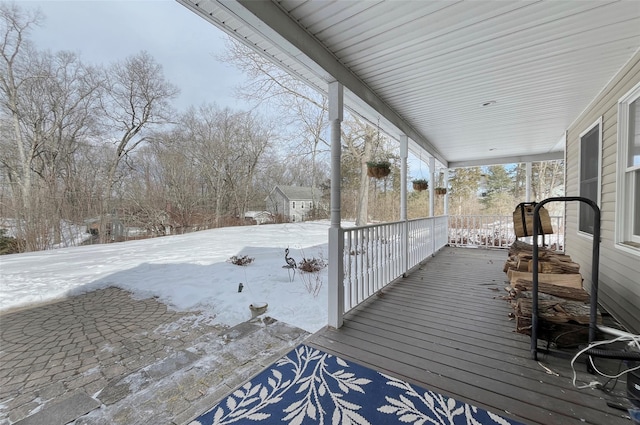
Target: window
column 293, row 205
column 590, row 149
column 310, row 205
column 302, row 205
column 628, row 189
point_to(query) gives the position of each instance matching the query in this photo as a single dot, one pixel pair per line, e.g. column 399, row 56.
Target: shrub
column 241, row 261
column 312, row 265
column 310, row 273
column 8, row 244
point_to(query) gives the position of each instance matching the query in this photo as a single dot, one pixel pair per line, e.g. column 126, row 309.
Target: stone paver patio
column 106, row 358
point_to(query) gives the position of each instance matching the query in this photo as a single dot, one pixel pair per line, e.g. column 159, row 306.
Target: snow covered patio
column 105, row 357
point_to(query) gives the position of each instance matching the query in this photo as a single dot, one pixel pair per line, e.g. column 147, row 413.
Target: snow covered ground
column 186, row 272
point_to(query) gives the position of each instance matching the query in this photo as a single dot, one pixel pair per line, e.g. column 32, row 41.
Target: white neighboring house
column 260, row 217
column 294, row 203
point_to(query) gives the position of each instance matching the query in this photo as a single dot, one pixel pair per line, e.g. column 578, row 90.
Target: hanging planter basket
column 420, row 185
column 440, row 191
column 378, row 170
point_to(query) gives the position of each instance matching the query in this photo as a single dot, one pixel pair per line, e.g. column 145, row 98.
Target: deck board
column 445, row 328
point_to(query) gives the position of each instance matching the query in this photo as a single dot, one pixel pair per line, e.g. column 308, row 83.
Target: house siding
column 277, row 203
column 619, row 280
column 282, row 200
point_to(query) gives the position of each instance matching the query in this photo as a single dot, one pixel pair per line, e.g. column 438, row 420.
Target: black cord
column 604, row 388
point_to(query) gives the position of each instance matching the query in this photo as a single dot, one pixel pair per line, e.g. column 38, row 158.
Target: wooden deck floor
column 443, row 329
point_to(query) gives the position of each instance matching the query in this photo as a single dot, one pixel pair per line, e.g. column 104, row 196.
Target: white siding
column 619, row 279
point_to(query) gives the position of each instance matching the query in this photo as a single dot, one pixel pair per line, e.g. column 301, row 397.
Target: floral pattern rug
column 308, row 386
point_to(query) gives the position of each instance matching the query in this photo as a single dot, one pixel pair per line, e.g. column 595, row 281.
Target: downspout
column 336, row 238
column 404, row 152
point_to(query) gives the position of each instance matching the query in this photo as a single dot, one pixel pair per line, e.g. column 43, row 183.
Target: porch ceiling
column 426, row 68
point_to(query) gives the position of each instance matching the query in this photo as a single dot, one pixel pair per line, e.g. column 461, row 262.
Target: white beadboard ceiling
column 426, row 68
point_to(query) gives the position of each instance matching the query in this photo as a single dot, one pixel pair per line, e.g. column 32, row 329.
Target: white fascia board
column 272, row 23
column 550, row 156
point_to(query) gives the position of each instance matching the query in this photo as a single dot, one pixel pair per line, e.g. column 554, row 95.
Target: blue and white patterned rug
column 308, row 386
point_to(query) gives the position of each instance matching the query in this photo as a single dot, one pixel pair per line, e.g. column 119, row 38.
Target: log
column 520, row 247
column 553, row 266
column 521, row 253
column 566, row 292
column 508, row 265
column 516, row 295
column 565, row 323
column 556, row 311
column 523, row 266
column 525, row 256
column 556, row 256
column 572, row 280
column 564, row 261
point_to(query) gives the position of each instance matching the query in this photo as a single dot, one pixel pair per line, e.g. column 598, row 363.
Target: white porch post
column 446, row 195
column 528, row 183
column 336, row 239
column 404, row 152
column 432, row 171
column 432, row 202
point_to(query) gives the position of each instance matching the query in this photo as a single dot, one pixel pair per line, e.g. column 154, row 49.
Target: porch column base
column 336, row 277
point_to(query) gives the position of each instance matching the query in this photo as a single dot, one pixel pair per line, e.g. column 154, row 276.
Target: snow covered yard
column 186, row 272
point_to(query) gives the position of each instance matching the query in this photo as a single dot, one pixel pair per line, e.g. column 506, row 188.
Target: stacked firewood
column 563, row 305
column 521, row 259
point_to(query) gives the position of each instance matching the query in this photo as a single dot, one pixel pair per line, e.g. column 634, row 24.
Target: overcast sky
column 188, row 47
column 102, row 32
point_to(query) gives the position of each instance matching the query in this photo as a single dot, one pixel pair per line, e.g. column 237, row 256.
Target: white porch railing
column 496, row 231
column 375, row 255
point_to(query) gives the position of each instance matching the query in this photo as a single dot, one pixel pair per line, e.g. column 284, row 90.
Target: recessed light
column 491, row 102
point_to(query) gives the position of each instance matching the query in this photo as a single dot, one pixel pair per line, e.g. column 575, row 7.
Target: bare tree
column 136, row 101
column 252, row 139
column 547, row 180
column 210, row 132
column 14, row 75
column 228, row 148
column 50, row 100
column 301, row 110
column 362, row 143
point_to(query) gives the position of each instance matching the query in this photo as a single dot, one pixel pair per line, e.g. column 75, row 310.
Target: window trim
column 624, row 176
column 597, row 122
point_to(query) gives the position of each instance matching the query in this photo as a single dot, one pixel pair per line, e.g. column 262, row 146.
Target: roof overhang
column 471, row 83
